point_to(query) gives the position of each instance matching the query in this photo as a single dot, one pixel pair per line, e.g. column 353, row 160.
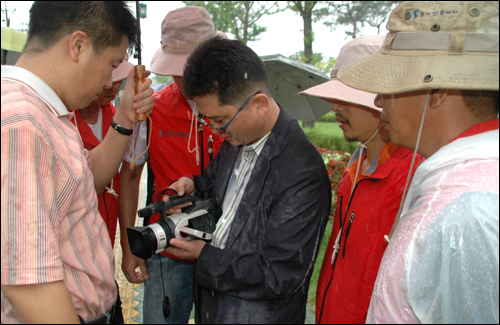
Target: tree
column 317, row 60
column 355, row 14
column 238, row 17
column 379, row 12
column 162, row 79
column 308, row 14
column 348, row 13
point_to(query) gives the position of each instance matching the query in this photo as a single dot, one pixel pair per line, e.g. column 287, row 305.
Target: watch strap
column 120, row 129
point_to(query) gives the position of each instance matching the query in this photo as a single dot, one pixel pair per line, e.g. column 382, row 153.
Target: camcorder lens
column 146, row 241
column 199, row 219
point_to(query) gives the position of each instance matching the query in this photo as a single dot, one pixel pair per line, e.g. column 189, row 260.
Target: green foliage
column 317, row 60
column 328, row 118
column 330, row 142
column 355, row 14
column 307, row 11
column 238, row 17
column 162, row 79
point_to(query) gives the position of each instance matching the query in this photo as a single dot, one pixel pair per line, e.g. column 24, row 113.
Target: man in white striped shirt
column 57, row 259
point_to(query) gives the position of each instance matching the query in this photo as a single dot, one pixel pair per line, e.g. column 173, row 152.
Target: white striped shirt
column 51, row 227
column 240, row 176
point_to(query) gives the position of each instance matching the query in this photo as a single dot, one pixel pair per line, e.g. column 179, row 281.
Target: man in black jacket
column 274, row 189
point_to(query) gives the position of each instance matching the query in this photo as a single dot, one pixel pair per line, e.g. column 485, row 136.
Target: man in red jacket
column 93, row 123
column 367, row 199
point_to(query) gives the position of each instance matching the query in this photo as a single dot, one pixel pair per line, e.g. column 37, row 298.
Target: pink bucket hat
column 336, row 90
column 181, row 31
column 121, row 72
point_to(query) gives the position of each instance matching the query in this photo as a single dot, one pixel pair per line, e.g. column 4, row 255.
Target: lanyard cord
column 132, row 164
column 196, row 140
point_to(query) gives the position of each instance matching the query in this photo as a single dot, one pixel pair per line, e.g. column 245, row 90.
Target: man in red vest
column 367, row 199
column 93, row 123
column 177, row 148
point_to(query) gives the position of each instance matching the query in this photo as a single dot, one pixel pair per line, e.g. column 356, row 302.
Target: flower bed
column 336, row 162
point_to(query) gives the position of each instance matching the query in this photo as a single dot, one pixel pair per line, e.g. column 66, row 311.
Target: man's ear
column 79, row 42
column 437, row 97
column 262, row 102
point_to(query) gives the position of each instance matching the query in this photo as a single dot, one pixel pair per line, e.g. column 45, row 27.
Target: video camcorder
column 197, row 221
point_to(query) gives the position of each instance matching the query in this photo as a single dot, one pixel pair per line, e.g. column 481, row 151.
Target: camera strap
column 163, row 191
column 166, row 302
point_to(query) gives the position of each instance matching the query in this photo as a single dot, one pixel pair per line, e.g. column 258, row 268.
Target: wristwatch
column 120, row 129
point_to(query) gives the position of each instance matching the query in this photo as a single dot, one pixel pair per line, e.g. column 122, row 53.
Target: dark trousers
column 206, row 303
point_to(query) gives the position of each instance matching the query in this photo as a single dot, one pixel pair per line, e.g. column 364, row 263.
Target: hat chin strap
column 363, row 148
column 403, row 199
column 336, row 246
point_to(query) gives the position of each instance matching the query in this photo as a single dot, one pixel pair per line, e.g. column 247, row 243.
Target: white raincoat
column 441, row 266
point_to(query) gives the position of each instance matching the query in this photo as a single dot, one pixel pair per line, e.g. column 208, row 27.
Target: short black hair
column 226, row 68
column 105, row 22
column 482, row 103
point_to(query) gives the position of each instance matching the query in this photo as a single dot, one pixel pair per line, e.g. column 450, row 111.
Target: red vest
column 168, row 152
column 108, row 204
column 345, row 288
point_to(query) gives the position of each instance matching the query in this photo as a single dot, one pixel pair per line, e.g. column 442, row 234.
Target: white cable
column 112, row 190
column 403, row 199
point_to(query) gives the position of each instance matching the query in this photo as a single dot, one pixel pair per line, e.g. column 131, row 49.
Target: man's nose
column 336, row 107
column 378, row 101
column 109, row 83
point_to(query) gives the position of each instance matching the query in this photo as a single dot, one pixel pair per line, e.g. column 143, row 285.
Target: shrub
column 328, row 117
column 332, row 142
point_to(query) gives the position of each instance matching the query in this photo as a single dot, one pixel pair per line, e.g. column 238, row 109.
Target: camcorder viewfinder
column 197, row 221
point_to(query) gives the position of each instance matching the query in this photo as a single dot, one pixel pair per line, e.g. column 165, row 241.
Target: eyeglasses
column 201, row 118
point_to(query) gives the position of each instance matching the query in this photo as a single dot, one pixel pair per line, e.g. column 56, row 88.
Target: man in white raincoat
column 437, row 77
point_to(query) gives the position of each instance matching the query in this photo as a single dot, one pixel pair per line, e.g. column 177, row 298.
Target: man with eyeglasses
column 274, row 190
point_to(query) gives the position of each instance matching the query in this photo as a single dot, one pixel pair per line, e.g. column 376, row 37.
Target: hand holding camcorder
column 197, row 221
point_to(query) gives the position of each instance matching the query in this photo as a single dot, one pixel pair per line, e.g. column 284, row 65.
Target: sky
column 283, row 36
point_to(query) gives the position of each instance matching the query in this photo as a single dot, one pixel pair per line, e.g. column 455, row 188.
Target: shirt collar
column 257, row 146
column 37, row 86
column 479, row 128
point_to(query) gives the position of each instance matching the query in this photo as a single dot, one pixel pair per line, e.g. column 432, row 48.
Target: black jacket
column 262, row 276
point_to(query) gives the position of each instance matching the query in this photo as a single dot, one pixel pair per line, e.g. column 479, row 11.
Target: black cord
column 161, row 276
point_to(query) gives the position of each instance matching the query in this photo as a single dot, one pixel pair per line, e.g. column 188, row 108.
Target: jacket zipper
column 353, row 214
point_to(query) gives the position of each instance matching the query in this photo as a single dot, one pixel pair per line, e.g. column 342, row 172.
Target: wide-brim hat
column 121, row 72
column 334, row 89
column 432, row 45
column 181, row 31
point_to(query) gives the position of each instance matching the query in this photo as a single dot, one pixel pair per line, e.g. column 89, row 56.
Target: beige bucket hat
column 432, row 45
column 336, row 90
column 181, row 31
